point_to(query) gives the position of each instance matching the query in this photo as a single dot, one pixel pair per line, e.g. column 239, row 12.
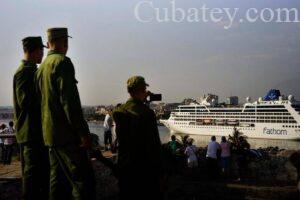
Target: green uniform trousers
column 71, row 174
column 35, row 180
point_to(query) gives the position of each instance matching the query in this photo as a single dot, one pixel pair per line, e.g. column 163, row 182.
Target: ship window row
column 234, row 117
column 253, row 118
column 277, row 121
column 273, row 114
column 248, row 120
column 245, row 120
column 241, row 113
column 273, row 110
column 191, row 107
column 296, row 106
column 274, row 106
column 226, row 111
column 289, row 126
column 179, row 123
column 215, row 127
column 219, row 114
column 275, row 118
column 192, row 111
column 280, row 109
column 267, row 106
column 226, row 114
column 218, row 117
column 247, row 107
column 267, row 111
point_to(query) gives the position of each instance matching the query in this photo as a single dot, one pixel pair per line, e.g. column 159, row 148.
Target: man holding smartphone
column 139, row 153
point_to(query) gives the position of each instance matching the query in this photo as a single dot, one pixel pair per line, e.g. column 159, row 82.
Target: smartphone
column 155, row 97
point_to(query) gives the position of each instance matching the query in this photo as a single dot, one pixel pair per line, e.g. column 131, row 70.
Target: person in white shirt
column 8, row 144
column 212, row 158
column 107, row 125
column 2, row 127
column 190, row 152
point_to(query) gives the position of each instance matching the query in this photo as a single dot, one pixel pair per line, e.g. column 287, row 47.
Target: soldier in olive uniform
column 139, row 155
column 28, row 122
column 66, row 133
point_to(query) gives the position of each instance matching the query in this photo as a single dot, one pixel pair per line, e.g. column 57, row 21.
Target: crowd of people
column 218, row 156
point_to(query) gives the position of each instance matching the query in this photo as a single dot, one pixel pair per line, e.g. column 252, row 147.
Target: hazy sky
column 177, row 59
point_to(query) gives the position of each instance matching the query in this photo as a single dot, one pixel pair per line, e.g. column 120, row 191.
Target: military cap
column 54, row 33
column 136, row 82
column 32, row 42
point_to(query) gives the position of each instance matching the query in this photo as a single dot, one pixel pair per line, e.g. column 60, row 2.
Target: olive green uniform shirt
column 26, row 104
column 62, row 118
column 138, row 136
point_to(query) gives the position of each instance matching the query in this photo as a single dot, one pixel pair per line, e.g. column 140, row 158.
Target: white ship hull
column 271, row 118
column 261, row 130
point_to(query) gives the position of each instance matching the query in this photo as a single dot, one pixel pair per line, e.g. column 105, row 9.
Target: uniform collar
column 135, row 100
column 28, row 63
column 53, row 52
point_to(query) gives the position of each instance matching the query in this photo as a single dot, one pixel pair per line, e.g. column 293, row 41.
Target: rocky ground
column 271, row 175
column 10, row 181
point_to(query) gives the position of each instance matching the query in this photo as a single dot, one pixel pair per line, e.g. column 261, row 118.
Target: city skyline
column 179, row 60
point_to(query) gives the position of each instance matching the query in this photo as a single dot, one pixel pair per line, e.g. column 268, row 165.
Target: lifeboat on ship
column 199, row 121
column 232, row 122
column 220, row 121
column 245, row 125
column 207, row 121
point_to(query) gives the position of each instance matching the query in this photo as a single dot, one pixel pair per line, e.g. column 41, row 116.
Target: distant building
column 88, row 110
column 210, row 99
column 101, row 110
column 6, row 113
column 233, row 100
column 188, row 101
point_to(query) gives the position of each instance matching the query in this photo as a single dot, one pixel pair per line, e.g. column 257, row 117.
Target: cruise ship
column 271, row 117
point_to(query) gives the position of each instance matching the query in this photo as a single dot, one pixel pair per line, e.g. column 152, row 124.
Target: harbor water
column 202, row 141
